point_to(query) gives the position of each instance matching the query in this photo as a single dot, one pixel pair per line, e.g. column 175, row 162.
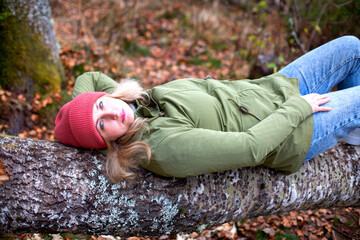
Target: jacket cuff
column 301, row 104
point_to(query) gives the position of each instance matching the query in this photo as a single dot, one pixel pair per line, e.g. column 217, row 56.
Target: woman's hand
column 315, row 100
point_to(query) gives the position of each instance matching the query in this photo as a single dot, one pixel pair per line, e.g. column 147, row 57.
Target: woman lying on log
column 193, row 126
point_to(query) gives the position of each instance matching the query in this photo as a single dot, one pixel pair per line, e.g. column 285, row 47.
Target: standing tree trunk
column 54, row 188
column 29, row 59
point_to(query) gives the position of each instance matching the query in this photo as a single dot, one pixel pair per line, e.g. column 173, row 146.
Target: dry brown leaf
column 300, row 233
column 246, row 226
column 342, row 219
column 293, row 213
column 108, row 237
column 312, row 237
column 4, row 177
column 323, row 211
column 37, row 129
column 34, row 118
column 2, row 168
column 328, row 227
column 58, row 97
column 318, row 222
column 348, row 210
column 36, row 106
column 357, row 211
column 319, row 232
column 269, row 231
column 287, row 222
column 37, row 96
column 21, row 97
column 51, row 138
column 32, row 132
column 194, row 235
column 46, row 101
column 260, row 219
column 22, row 135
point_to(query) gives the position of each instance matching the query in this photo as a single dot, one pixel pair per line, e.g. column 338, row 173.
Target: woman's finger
column 323, row 109
column 315, row 100
column 323, row 101
column 323, row 96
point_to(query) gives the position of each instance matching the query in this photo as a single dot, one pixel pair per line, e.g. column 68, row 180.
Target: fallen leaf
column 34, row 118
column 32, row 132
column 4, row 177
column 312, row 237
column 323, row 211
column 269, row 231
column 21, row 135
column 21, row 97
column 293, row 213
column 328, row 227
column 300, row 233
column 108, row 237
column 342, row 219
column 246, row 226
column 194, row 235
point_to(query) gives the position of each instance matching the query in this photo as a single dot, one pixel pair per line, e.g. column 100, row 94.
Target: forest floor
column 159, row 41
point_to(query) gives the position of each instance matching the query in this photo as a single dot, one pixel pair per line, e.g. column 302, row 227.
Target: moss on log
column 29, row 63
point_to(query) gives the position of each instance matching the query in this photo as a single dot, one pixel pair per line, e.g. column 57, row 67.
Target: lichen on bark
column 56, row 188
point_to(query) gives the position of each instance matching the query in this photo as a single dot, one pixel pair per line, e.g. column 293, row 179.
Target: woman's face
column 112, row 117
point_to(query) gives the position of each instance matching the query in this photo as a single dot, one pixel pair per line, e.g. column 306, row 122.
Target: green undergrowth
column 133, row 49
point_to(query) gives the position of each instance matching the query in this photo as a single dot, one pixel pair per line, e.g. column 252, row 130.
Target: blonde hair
column 125, row 154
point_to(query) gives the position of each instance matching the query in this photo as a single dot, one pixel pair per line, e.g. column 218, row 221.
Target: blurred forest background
column 157, row 41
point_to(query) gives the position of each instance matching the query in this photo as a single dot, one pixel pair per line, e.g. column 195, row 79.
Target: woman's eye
column 101, row 105
column 101, row 124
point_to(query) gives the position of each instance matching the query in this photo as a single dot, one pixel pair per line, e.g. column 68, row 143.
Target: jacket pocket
column 259, row 103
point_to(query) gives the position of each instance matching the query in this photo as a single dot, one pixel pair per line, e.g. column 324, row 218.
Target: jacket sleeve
column 193, row 151
column 93, row 82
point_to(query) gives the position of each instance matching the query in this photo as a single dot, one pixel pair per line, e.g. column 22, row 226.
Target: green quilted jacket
column 199, row 126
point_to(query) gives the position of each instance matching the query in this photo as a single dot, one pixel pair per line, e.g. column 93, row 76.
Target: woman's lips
column 123, row 115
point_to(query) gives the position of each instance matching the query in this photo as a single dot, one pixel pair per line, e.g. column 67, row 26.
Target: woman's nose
column 110, row 114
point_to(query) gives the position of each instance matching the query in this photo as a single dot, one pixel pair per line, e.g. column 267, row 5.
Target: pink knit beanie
column 74, row 123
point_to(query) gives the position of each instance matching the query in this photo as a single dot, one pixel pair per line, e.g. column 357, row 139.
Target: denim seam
column 314, row 142
column 305, row 83
column 334, row 70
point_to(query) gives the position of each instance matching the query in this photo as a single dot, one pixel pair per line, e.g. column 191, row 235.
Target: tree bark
column 29, row 59
column 54, row 188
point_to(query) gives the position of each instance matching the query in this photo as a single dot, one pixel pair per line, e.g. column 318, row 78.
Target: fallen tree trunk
column 54, row 188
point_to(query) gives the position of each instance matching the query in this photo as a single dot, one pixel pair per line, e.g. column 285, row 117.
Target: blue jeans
column 336, row 63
